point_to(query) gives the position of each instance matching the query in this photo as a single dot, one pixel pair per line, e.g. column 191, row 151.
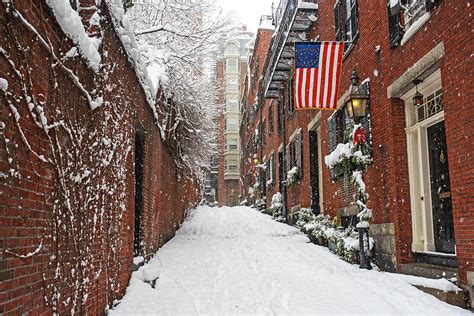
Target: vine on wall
column 86, row 150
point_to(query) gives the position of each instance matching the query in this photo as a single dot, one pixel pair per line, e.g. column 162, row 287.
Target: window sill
column 415, row 27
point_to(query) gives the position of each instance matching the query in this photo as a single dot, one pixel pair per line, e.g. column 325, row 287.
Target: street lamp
column 358, row 100
column 418, row 97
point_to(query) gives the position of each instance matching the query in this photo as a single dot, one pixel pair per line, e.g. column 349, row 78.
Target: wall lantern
column 358, row 100
column 255, row 160
column 418, row 98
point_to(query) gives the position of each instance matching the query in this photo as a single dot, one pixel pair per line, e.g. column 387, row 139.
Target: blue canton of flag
column 307, row 55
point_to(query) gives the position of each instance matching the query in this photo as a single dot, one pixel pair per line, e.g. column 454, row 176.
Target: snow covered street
column 239, row 261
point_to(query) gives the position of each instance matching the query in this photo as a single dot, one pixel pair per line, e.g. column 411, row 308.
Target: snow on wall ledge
column 71, row 24
column 125, row 33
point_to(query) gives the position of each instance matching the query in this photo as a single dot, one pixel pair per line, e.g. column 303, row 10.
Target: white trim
column 415, row 27
column 280, row 148
column 315, row 122
column 293, row 135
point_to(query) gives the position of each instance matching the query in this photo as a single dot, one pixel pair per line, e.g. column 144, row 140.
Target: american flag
column 317, row 74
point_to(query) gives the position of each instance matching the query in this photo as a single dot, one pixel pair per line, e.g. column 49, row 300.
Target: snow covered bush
column 292, row 176
column 276, row 208
column 322, row 230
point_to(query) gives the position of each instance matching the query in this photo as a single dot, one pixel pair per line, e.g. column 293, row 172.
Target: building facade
column 231, row 68
column 420, row 181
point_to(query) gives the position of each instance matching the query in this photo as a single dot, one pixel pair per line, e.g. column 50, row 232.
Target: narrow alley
column 239, row 261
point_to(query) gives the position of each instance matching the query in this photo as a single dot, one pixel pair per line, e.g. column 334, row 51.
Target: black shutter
column 337, row 22
column 288, row 158
column 299, row 152
column 332, row 139
column 332, row 133
column 395, row 28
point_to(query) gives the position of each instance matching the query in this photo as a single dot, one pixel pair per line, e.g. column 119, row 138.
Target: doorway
column 314, row 171
column 443, row 224
column 139, row 155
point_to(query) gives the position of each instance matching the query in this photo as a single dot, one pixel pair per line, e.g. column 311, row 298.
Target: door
column 314, row 170
column 138, row 193
column 440, row 189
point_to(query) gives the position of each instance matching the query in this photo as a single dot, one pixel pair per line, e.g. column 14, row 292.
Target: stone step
column 429, row 270
column 460, row 298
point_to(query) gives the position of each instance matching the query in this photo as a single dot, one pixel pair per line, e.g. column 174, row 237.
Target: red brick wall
column 29, row 213
column 262, row 43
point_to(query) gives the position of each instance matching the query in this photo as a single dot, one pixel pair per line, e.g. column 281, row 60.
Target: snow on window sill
column 415, row 27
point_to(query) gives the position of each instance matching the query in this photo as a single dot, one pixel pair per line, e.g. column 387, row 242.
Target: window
column 232, row 124
column 346, row 20
column 414, row 10
column 232, row 65
column 233, row 165
column 232, row 105
column 294, row 153
column 405, row 18
column 232, row 85
column 271, row 170
column 232, row 144
column 231, row 49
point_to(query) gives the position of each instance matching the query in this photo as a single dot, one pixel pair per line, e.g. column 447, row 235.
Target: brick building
column 231, row 68
column 251, row 119
column 82, row 163
column 420, row 182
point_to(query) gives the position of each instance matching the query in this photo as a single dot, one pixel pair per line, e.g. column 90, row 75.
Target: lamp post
column 357, row 104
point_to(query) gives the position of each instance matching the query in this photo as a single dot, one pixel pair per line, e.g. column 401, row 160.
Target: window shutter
column 299, row 152
column 288, row 158
column 337, row 22
column 366, row 121
column 273, row 168
column 395, row 28
column 332, row 133
column 332, row 138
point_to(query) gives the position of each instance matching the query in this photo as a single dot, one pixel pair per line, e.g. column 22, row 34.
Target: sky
column 248, row 11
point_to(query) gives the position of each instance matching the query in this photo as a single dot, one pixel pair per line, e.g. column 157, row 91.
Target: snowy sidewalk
column 238, row 261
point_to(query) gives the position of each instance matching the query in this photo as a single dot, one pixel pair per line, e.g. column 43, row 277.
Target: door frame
column 419, row 168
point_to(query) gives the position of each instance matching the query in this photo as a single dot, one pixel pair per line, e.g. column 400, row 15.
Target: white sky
column 249, row 11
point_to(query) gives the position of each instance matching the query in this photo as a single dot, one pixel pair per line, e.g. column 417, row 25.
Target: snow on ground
column 239, row 261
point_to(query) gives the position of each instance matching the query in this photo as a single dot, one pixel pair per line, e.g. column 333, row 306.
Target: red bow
column 359, row 136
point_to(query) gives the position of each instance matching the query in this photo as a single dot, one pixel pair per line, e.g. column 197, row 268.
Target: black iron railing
column 284, row 18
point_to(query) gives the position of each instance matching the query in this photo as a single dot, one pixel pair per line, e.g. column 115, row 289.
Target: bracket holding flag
column 317, row 74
